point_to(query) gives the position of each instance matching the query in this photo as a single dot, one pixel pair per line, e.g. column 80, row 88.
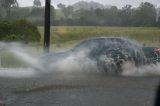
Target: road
column 79, row 90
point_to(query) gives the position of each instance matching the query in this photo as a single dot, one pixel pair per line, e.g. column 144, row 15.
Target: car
column 109, row 53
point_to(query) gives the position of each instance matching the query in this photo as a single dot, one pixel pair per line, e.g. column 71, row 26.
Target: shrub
column 5, row 29
column 20, row 30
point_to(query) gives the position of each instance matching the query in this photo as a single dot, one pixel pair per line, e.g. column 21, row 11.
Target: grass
column 8, row 60
column 144, row 35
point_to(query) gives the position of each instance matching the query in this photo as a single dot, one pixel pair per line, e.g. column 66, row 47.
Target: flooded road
column 79, row 90
column 74, row 79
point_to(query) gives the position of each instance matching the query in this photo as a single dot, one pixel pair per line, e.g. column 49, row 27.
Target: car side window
column 88, row 44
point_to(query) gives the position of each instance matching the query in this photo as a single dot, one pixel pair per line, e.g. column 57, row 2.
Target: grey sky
column 118, row 3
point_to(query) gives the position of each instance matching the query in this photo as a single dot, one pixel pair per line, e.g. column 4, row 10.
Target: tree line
column 146, row 14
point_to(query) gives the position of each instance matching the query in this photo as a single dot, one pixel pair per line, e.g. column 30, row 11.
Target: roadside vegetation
column 19, row 30
column 64, row 34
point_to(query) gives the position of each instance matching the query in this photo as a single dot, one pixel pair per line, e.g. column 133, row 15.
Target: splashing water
column 65, row 63
column 129, row 69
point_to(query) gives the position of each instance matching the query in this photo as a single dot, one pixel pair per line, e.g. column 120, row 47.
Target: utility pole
column 47, row 26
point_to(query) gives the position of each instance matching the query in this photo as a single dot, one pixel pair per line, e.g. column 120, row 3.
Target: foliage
column 144, row 15
column 36, row 16
column 20, row 30
column 37, row 3
column 88, row 5
column 33, row 14
column 18, row 13
column 61, row 6
column 7, row 4
column 88, row 14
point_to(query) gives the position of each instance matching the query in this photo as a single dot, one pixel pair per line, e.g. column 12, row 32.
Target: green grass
column 144, row 35
column 8, row 60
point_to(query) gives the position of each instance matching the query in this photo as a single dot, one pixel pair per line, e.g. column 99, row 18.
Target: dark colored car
column 110, row 53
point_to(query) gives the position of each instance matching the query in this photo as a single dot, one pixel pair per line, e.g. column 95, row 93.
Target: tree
column 158, row 15
column 61, row 6
column 158, row 22
column 2, row 13
column 7, row 4
column 126, row 15
column 69, row 11
column 37, row 3
column 36, row 16
column 146, row 14
column 52, row 15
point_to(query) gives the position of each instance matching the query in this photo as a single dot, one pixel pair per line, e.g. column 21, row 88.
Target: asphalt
column 79, row 90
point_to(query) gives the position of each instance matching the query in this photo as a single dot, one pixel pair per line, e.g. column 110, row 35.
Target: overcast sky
column 118, row 3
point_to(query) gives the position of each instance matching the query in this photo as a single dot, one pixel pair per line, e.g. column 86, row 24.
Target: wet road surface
column 79, row 91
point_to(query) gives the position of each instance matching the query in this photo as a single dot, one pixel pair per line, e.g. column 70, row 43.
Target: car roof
column 94, row 38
